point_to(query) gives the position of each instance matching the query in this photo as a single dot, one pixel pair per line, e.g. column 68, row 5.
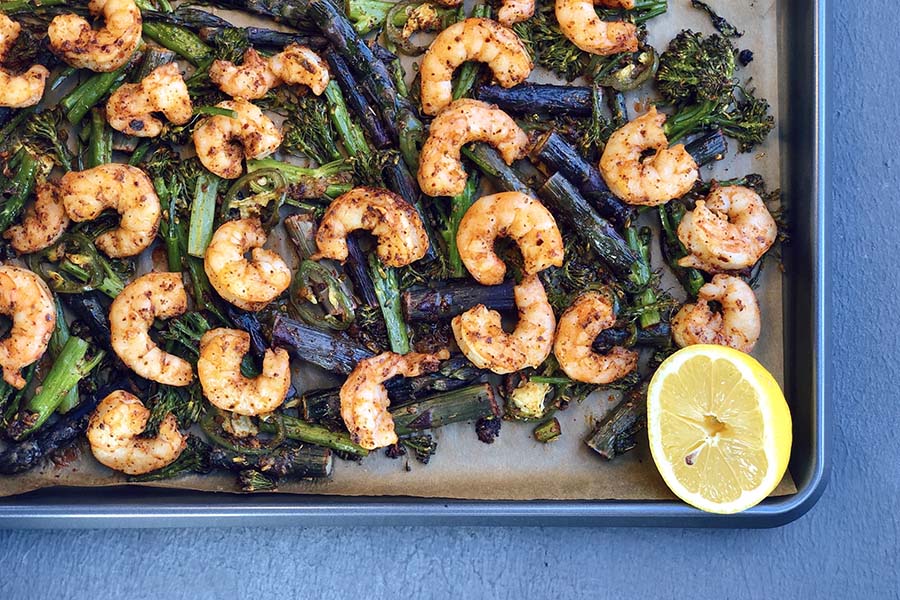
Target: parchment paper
column 516, row 467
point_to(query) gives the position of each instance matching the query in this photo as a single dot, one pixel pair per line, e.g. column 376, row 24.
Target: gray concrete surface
column 847, row 547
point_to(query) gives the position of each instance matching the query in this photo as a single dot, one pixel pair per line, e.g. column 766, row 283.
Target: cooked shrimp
column 221, row 142
column 130, row 108
column 737, row 324
column 670, row 173
column 364, row 399
column 219, row 370
column 579, row 326
column 114, row 433
column 298, row 64
column 515, row 11
column 581, row 24
column 251, row 80
column 441, row 172
column 44, row 221
column 150, row 296
column 730, row 230
column 476, row 39
column 257, row 75
column 102, row 50
column 479, row 332
column 27, row 300
column 24, row 89
column 127, row 190
column 248, row 284
column 514, row 215
column 390, row 218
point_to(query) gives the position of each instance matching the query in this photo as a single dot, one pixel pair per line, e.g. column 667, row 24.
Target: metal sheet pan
column 804, row 67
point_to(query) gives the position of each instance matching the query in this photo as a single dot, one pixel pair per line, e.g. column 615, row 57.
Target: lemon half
column 719, row 428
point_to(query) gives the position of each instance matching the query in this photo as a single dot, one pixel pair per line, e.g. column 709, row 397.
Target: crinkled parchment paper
column 516, row 467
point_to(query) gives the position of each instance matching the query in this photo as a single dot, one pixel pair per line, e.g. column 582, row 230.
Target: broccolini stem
column 297, row 429
column 673, row 249
column 99, row 150
column 70, row 367
column 350, row 133
column 458, row 207
column 387, row 289
column 548, row 431
column 639, row 242
column 58, row 341
column 203, row 212
column 19, row 188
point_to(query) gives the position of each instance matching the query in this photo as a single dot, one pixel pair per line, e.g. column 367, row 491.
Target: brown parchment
column 516, row 467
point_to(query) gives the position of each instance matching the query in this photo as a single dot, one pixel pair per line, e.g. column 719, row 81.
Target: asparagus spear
column 448, row 300
column 357, row 102
column 387, row 290
column 615, row 433
column 330, row 350
column 539, row 98
column 300, row 461
column 464, row 404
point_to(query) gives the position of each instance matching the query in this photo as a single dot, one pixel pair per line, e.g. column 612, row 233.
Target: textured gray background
column 847, row 547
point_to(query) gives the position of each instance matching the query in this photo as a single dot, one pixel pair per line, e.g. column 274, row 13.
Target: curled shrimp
column 515, row 11
column 475, row 39
column 670, row 173
column 150, row 296
column 391, row 219
column 222, row 142
column 24, row 89
column 479, row 332
column 248, row 284
column 579, row 326
column 27, row 300
column 737, row 325
column 730, row 230
column 580, row 23
column 257, row 75
column 219, row 370
column 102, row 50
column 441, row 172
column 114, row 433
column 44, row 221
column 127, row 190
column 364, row 399
column 130, row 108
column 514, row 215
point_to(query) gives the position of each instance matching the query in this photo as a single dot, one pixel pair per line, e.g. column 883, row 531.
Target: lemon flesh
column 719, row 428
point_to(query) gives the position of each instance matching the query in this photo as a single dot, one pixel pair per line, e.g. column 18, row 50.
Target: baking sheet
column 515, row 467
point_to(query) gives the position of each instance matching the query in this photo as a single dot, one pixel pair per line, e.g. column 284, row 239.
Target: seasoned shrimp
column 44, row 221
column 391, row 219
column 130, row 108
column 514, row 215
column 127, row 190
column 737, row 325
column 24, row 89
column 221, row 142
column 364, row 399
column 441, row 172
column 248, row 284
column 27, row 300
column 102, row 50
column 480, row 336
column 579, row 326
column 581, row 24
column 730, row 230
column 257, row 75
column 476, row 39
column 114, row 433
column 670, row 173
column 298, row 64
column 131, row 315
column 515, row 11
column 219, row 370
